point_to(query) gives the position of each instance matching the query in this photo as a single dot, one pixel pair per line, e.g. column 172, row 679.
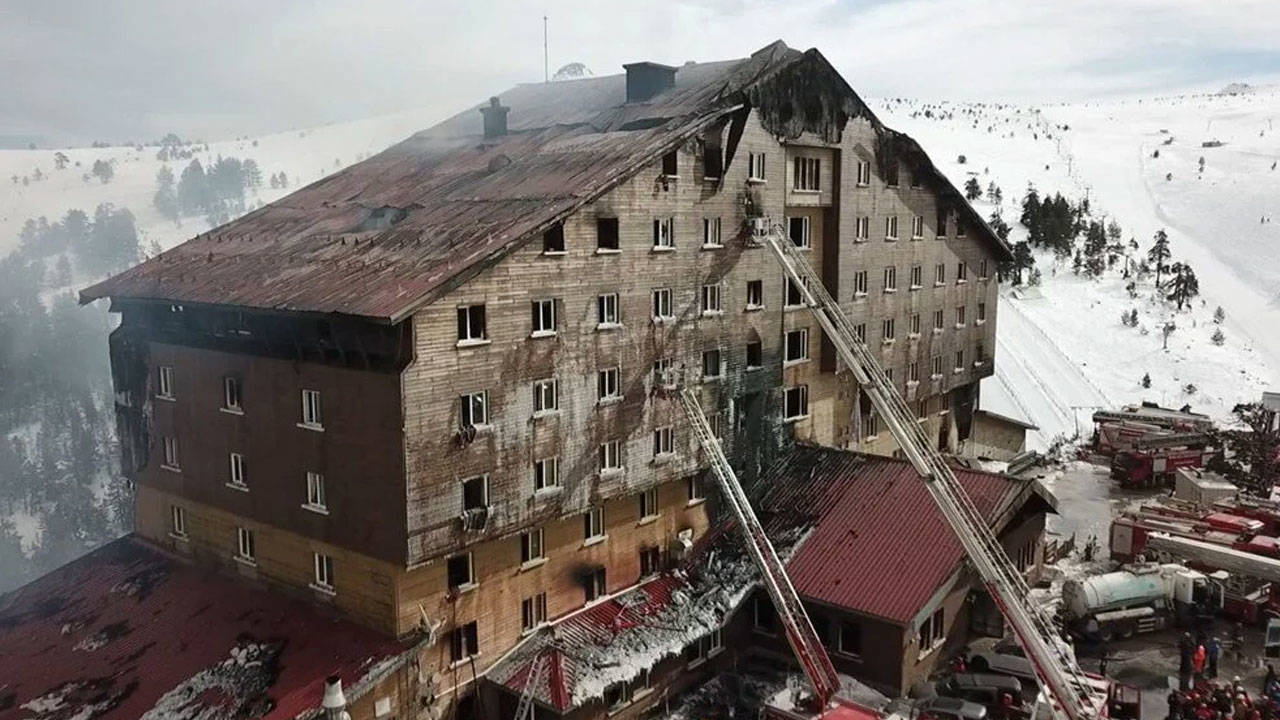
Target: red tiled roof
column 126, row 628
column 566, row 646
column 880, row 545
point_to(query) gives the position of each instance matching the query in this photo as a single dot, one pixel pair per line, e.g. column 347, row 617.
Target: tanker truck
column 1140, row 597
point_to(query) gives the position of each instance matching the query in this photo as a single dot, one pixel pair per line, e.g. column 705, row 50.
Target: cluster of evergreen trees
column 217, row 192
column 58, row 462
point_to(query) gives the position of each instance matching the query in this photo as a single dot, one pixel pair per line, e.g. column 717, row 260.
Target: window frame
column 711, row 300
column 712, row 239
column 544, row 313
column 663, row 442
column 323, row 573
column 608, row 228
column 649, row 507
column 533, row 549
column 546, row 396
column 485, row 498
column 235, row 471
column 891, row 279
column 593, row 528
column 470, row 582
column 546, row 475
column 860, row 283
column 608, row 311
column 801, row 393
column 312, row 410
column 806, row 174
column 232, row 395
column 662, row 301
column 756, row 167
column 246, row 545
column 473, row 325
column 718, row 353
column 467, row 404
column 917, row 227
column 664, row 234
column 317, row 498
column 864, row 173
column 755, row 295
column 464, row 643
column 609, row 457
column 608, row 385
column 805, row 241
column 533, row 612
column 891, row 228
column 178, row 521
column 171, row 460
column 802, row 336
column 862, row 229
column 164, row 382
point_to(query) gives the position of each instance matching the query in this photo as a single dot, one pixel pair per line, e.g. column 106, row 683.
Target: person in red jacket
column 1197, row 663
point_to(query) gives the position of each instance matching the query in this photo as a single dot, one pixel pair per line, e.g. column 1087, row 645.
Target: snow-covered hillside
column 303, row 155
column 1061, row 348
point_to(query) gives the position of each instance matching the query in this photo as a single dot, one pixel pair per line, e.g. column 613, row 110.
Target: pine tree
column 1219, row 315
column 1146, row 380
column 972, row 190
column 1159, row 253
column 1183, row 284
column 1255, row 449
column 103, row 171
column 60, row 160
column 166, row 199
column 1218, row 338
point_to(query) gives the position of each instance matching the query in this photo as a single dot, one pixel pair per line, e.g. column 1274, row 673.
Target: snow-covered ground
column 1061, row 349
column 303, row 155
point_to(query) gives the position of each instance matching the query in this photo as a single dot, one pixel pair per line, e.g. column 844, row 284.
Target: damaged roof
column 385, row 236
column 879, row 546
column 128, row 632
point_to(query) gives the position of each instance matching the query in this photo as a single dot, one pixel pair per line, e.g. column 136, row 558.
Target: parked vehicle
column 949, row 708
column 1004, row 659
column 1141, row 597
column 1001, row 695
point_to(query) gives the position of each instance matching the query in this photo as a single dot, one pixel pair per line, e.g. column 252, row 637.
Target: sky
column 132, row 70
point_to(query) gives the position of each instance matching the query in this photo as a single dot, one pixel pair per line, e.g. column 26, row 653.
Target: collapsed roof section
column 128, row 632
column 385, row 236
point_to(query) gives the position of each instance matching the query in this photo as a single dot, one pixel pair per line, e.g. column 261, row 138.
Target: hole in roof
column 381, row 218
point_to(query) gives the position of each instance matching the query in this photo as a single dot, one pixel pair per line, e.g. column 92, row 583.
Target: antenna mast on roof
column 545, row 76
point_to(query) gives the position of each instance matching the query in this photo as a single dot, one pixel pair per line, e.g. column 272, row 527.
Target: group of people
column 1197, row 659
column 1220, row 701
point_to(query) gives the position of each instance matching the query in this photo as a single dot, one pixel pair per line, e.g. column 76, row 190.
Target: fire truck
column 1148, row 444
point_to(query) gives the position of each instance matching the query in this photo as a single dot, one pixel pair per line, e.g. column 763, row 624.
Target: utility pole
column 545, row 76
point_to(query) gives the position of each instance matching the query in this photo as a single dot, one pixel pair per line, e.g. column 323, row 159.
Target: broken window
column 942, row 222
column 960, row 226
column 712, row 156
column 755, row 294
column 473, row 409
column 607, row 233
column 763, row 616
column 796, row 402
column 460, row 572
column 794, row 298
column 471, row 324
column 850, row 638
column 797, row 345
column 611, row 456
column 932, row 631
column 891, row 173
column 663, row 374
column 650, row 561
column 553, row 239
column 475, row 493
column 463, row 642
column 670, row 164
column 755, row 355
column 595, row 585
column 798, row 231
column 962, row 273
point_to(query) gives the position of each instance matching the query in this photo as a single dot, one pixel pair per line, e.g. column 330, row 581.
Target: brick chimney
column 495, row 119
column 647, row 79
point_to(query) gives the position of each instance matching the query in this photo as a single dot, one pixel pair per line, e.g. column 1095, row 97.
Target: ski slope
column 1061, row 349
column 303, row 155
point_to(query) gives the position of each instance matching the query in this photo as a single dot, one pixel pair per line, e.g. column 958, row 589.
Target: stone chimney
column 495, row 119
column 647, row 79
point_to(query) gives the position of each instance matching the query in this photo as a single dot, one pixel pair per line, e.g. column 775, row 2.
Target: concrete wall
column 995, row 437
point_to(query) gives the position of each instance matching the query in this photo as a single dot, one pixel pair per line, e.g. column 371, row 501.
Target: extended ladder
column 524, row 710
column 800, row 634
column 1061, row 677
